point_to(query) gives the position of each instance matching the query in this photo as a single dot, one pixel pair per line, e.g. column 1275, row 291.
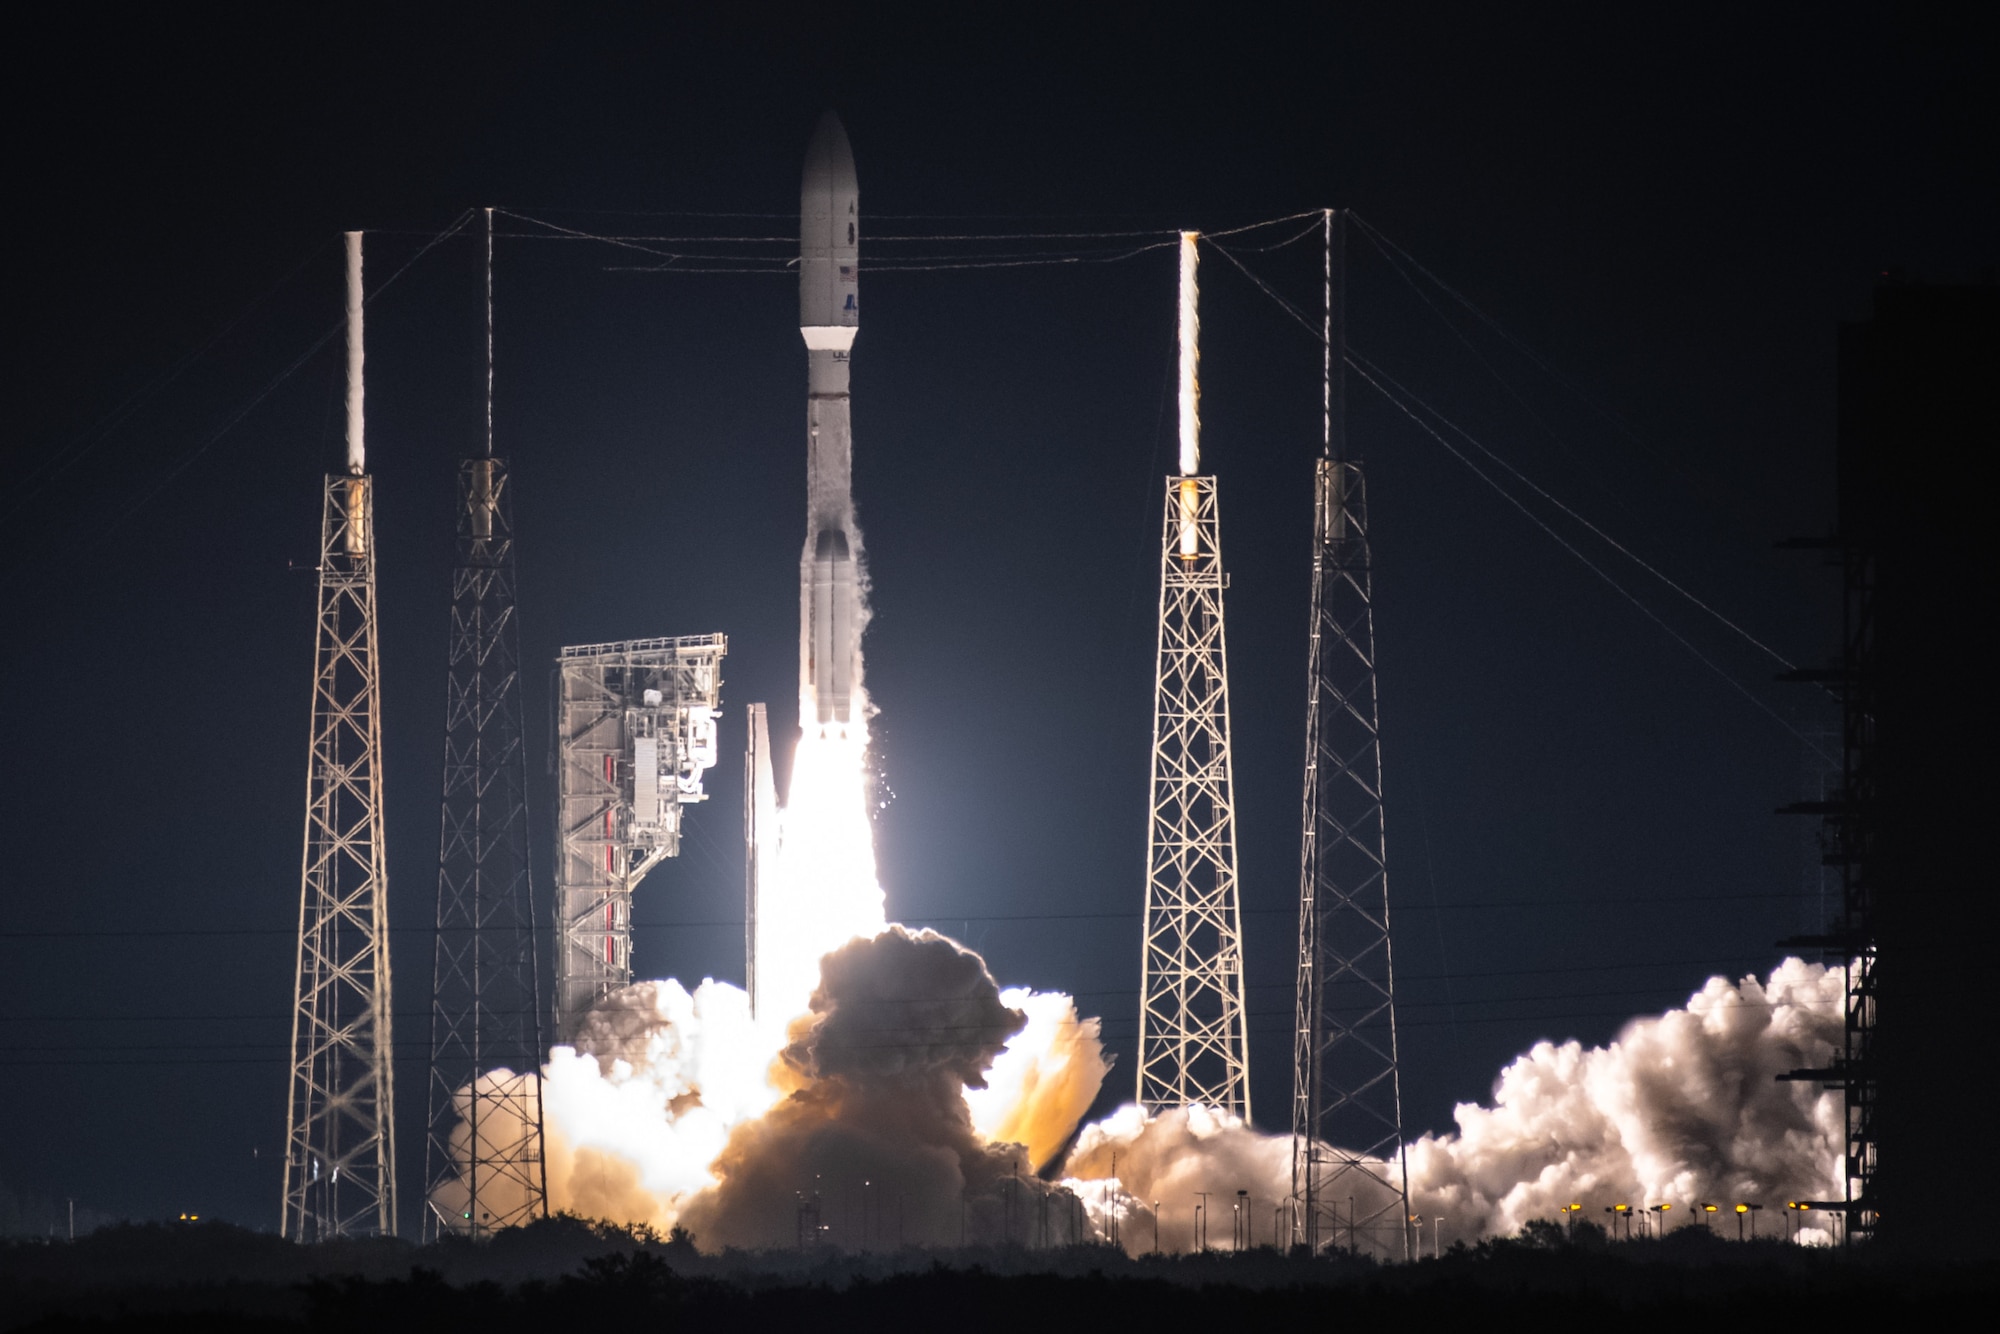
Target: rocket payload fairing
column 829, row 317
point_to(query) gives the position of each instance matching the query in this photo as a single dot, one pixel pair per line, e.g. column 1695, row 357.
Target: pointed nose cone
column 829, row 160
column 829, row 240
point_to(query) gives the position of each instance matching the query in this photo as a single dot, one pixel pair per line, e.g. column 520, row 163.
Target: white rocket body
column 829, row 317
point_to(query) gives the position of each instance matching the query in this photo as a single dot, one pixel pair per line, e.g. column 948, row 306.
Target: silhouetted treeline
column 555, row 1274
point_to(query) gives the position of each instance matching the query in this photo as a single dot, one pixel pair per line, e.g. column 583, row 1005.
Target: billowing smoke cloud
column 1683, row 1108
column 1133, row 1163
column 676, row 1108
column 875, row 1118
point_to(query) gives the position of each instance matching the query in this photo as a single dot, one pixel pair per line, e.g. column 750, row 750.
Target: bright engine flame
column 823, row 892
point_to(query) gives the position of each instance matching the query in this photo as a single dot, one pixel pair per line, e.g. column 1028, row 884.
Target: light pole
column 1659, row 1212
column 1618, row 1211
column 1795, row 1215
column 1201, row 1221
column 1417, row 1222
column 1708, row 1216
column 1156, row 1227
column 1243, row 1220
column 1569, row 1212
column 1747, row 1211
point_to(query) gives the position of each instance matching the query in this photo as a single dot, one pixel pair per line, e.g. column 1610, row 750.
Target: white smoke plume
column 1681, row 1109
column 1142, row 1175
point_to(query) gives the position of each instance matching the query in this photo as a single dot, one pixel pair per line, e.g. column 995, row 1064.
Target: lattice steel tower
column 1192, row 1045
column 484, row 1166
column 1350, row 1184
column 340, row 1136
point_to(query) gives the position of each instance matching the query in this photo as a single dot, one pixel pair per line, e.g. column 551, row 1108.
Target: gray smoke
column 872, row 1141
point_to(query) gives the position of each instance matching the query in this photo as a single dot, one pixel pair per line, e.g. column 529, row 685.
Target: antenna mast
column 1347, row 1118
column 484, row 1164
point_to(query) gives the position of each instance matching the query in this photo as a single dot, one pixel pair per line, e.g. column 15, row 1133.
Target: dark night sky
column 1673, row 205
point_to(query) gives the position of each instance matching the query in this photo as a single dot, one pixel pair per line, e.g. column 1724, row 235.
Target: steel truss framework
column 1349, row 1180
column 484, row 1153
column 635, row 732
column 1847, row 842
column 340, row 1157
column 1192, row 1045
column 1851, row 838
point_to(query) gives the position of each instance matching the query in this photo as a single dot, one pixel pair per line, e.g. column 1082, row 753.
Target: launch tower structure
column 484, row 1165
column 1192, row 1039
column 1350, row 1183
column 340, row 1133
column 635, row 733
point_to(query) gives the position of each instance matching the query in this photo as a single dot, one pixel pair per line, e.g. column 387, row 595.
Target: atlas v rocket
column 829, row 317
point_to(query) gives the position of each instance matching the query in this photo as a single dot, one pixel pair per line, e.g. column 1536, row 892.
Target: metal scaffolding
column 635, row 733
column 1350, row 1184
column 1192, row 1039
column 484, row 1165
column 340, row 1137
column 1849, row 832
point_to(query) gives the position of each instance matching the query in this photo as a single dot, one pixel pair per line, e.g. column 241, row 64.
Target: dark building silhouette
column 1918, row 823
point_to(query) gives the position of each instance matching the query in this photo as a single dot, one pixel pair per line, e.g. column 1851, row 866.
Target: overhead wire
column 37, row 479
column 685, row 262
column 1530, row 483
column 1370, row 373
column 236, row 418
column 1518, row 344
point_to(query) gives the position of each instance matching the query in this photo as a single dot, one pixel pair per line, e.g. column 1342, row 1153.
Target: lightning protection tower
column 484, row 1167
column 1191, row 1022
column 1350, row 1185
column 340, row 1136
